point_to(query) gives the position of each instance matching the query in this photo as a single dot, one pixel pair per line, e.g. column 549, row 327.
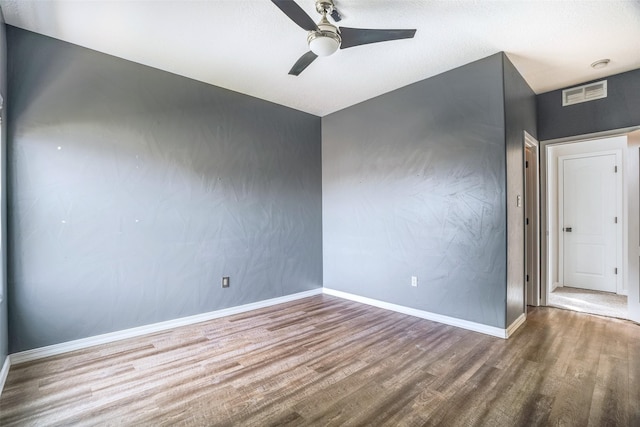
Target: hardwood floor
column 327, row 361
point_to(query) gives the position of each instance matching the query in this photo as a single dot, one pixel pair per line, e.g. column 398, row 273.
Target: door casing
column 532, row 221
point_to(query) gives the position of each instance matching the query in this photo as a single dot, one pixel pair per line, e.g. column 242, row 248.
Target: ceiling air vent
column 584, row 93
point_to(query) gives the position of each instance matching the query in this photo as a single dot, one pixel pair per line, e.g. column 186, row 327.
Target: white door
column 589, row 221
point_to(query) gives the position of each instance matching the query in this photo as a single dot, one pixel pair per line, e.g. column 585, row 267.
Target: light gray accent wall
column 4, row 319
column 414, row 184
column 520, row 116
column 132, row 191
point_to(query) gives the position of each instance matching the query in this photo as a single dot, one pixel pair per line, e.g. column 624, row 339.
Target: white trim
column 460, row 323
column 516, row 324
column 55, row 349
column 4, row 372
column 535, row 269
column 560, row 230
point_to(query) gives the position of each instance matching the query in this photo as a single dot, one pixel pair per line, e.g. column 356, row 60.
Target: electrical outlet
column 414, row 281
column 225, row 282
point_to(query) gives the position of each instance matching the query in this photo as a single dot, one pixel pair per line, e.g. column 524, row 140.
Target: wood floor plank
column 611, row 393
column 328, row 361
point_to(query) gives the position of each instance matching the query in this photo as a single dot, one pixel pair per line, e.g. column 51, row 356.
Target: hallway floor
column 586, row 301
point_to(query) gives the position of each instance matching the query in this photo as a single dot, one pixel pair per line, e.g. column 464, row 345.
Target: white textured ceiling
column 249, row 45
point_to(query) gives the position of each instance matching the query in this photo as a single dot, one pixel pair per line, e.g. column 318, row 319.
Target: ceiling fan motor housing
column 325, row 40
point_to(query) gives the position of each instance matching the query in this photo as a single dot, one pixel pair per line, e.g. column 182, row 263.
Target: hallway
column 586, row 301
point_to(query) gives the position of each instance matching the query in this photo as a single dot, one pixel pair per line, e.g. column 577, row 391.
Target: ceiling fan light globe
column 323, row 45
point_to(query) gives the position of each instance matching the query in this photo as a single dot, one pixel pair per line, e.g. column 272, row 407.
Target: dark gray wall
column 520, row 116
column 414, row 184
column 4, row 331
column 619, row 110
column 132, row 191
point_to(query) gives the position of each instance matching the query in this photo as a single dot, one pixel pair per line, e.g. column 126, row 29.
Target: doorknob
column 568, row 229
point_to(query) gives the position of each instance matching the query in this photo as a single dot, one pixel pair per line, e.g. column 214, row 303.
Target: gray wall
column 132, row 191
column 4, row 331
column 414, row 184
column 520, row 115
column 619, row 110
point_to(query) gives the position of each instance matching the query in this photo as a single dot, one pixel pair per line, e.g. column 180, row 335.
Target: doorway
column 586, row 226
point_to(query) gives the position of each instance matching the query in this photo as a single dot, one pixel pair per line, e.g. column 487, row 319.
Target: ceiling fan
column 324, row 38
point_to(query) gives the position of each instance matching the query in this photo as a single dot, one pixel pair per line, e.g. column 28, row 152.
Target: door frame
column 633, row 210
column 549, row 227
column 532, row 199
column 632, row 162
column 620, row 195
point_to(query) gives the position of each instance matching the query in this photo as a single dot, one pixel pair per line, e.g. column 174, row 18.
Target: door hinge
column 616, row 270
column 527, row 277
column 616, row 220
column 526, row 163
column 615, row 169
column 527, row 221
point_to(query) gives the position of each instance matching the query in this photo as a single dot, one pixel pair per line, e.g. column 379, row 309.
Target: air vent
column 584, row 93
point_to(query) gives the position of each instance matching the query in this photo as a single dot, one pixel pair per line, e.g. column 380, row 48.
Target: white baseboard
column 516, row 324
column 55, row 349
column 4, row 372
column 465, row 324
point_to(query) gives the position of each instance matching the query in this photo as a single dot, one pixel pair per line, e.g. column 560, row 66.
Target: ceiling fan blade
column 302, row 63
column 358, row 36
column 296, row 14
column 335, row 15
